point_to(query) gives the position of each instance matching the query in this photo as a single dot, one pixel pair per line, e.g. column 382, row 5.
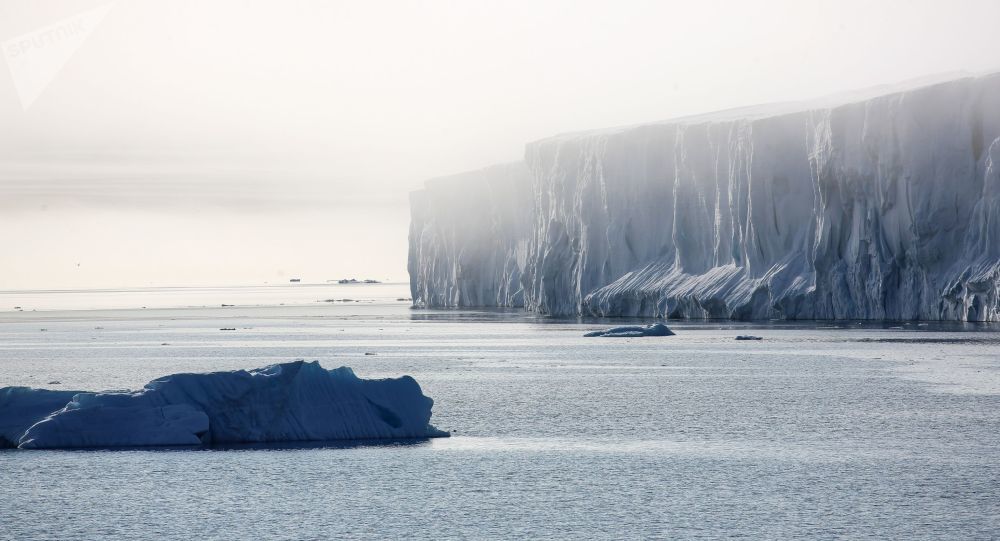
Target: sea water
column 820, row 430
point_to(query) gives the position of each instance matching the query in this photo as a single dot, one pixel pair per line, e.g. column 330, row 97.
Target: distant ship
column 295, row 280
column 356, row 281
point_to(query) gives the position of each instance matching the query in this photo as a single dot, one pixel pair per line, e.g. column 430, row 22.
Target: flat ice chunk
column 297, row 401
column 633, row 331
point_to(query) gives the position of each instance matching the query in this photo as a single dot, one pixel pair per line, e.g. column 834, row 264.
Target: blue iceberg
column 633, row 331
column 291, row 402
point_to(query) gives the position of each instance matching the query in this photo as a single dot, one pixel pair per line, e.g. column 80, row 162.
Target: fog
column 223, row 142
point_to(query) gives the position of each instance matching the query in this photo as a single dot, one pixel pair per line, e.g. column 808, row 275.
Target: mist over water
column 193, row 143
column 202, row 246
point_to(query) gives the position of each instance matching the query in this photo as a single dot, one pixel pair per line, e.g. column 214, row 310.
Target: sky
column 214, row 142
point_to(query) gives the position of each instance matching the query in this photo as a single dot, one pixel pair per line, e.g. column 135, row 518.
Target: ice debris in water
column 296, row 401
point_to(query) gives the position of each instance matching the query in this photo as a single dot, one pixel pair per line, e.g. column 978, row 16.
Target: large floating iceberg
column 297, row 401
column 878, row 205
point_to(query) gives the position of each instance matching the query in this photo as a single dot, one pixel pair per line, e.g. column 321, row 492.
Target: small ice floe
column 633, row 331
column 748, row 337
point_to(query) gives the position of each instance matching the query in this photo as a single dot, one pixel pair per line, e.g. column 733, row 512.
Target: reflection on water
column 720, row 449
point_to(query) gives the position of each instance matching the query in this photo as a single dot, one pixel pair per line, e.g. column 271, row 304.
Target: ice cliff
column 297, row 401
column 879, row 206
column 469, row 238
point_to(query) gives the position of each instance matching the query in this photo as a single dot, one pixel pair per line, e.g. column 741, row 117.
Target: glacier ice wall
column 883, row 208
column 468, row 238
column 288, row 402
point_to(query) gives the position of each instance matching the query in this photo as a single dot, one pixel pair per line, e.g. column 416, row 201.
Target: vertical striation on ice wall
column 883, row 208
column 468, row 238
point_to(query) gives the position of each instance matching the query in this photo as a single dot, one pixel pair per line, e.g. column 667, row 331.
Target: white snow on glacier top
column 768, row 110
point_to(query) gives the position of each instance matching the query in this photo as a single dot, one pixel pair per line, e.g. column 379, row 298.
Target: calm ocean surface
column 821, row 430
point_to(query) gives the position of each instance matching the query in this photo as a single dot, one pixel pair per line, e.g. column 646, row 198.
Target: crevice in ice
column 386, row 414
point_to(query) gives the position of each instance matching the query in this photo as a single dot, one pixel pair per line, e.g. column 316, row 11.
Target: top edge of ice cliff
column 458, row 181
column 747, row 112
column 775, row 109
